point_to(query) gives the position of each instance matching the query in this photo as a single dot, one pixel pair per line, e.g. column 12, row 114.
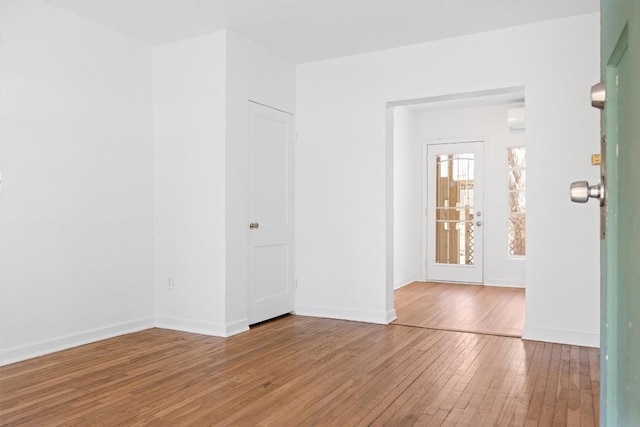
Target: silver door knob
column 479, row 223
column 254, row 225
column 598, row 95
column 581, row 192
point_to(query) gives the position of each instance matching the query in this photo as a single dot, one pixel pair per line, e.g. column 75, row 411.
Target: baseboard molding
column 494, row 283
column 191, row 326
column 391, row 316
column 202, row 328
column 29, row 351
column 404, row 282
column 505, row 283
column 237, row 328
column 379, row 317
column 584, row 339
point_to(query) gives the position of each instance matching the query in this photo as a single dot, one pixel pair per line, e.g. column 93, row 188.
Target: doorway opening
column 457, row 240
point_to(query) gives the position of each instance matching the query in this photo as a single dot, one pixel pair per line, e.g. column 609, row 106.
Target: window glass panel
column 454, row 209
column 443, row 166
column 516, row 190
column 517, row 201
column 516, row 157
column 517, row 234
column 517, row 180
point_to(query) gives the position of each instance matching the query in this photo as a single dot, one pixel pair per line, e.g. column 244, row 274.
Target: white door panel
column 271, row 212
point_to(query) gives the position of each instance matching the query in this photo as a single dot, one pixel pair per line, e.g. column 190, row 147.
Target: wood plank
column 549, row 398
column 306, row 371
column 463, row 308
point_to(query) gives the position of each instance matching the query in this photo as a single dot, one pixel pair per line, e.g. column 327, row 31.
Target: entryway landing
column 465, row 308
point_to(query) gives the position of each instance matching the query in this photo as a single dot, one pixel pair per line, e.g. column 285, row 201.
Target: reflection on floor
column 457, row 307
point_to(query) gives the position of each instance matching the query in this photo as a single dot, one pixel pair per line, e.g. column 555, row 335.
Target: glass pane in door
column 454, row 209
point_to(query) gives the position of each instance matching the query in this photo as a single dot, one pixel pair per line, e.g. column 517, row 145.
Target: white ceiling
column 309, row 30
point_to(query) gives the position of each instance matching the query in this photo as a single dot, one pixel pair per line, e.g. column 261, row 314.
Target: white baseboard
column 29, row 351
column 191, row 326
column 584, row 339
column 505, row 283
column 203, row 328
column 494, row 283
column 237, row 328
column 41, row 348
column 404, row 282
column 379, row 317
column 391, row 316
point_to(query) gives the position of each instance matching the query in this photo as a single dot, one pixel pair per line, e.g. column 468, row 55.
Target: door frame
column 424, row 223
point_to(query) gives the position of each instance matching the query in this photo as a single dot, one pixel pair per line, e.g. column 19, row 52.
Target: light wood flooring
column 305, row 371
column 466, row 308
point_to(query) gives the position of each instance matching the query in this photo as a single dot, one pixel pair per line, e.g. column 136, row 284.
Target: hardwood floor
column 465, row 308
column 306, row 371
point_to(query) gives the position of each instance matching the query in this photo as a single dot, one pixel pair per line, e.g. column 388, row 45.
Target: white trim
column 463, row 97
column 17, row 354
column 453, row 282
column 236, row 328
column 269, row 106
column 404, row 282
column 203, row 328
column 191, row 326
column 584, row 339
column 506, row 283
column 425, row 210
column 29, row 351
column 379, row 317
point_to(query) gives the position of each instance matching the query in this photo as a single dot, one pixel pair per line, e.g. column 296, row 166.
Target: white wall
column 342, row 199
column 89, row 199
column 76, row 242
column 488, row 123
column 256, row 74
column 202, row 92
column 77, row 200
column 189, row 184
column 407, row 200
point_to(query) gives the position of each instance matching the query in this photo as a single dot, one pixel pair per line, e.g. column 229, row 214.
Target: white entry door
column 454, row 212
column 271, row 213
